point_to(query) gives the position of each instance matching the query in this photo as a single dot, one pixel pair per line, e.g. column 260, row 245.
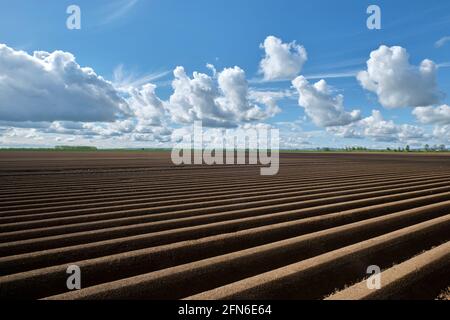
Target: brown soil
column 141, row 228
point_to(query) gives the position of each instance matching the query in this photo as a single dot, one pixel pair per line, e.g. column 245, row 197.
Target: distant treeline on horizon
column 426, row 148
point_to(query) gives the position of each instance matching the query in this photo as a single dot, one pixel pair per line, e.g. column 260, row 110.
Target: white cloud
column 442, row 133
column 195, row 99
column 396, row 82
column 438, row 116
column 49, row 97
column 27, row 134
column 379, row 129
column 351, row 131
column 50, row 94
column 128, row 130
column 433, row 115
column 212, row 137
column 282, row 61
column 270, row 99
column 324, row 108
column 147, row 107
column 116, row 10
column 52, row 86
column 444, row 65
column 221, row 102
column 126, row 80
column 442, row 41
column 211, row 67
column 376, row 128
column 332, row 75
column 292, row 136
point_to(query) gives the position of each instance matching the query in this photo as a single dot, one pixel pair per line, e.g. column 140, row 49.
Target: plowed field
column 141, row 228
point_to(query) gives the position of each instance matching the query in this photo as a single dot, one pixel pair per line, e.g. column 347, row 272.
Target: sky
column 138, row 73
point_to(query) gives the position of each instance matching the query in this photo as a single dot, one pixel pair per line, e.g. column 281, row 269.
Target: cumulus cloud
column 376, row 128
column 292, row 135
column 396, row 82
column 146, row 106
column 433, row 115
column 147, row 123
column 348, row 132
column 379, row 129
column 442, row 133
column 51, row 94
column 127, row 130
column 439, row 117
column 221, row 102
column 324, row 108
column 52, row 86
column 270, row 99
column 282, row 60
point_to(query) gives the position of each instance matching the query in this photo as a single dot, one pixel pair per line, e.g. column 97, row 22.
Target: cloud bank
column 376, row 128
column 52, row 86
column 49, row 94
column 433, row 115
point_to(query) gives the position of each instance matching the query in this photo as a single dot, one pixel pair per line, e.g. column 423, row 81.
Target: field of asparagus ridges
column 140, row 227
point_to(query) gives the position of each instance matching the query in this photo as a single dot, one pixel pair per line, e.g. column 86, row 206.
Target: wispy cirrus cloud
column 116, row 10
column 442, row 41
column 124, row 79
column 313, row 76
column 444, row 65
column 331, row 75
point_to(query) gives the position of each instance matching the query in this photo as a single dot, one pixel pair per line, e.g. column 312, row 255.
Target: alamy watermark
column 374, row 20
column 374, row 281
column 73, row 22
column 252, row 146
column 74, row 280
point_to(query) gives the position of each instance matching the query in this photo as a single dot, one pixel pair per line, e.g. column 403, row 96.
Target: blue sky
column 133, row 42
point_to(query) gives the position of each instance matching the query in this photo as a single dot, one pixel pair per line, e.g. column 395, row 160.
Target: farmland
column 141, row 228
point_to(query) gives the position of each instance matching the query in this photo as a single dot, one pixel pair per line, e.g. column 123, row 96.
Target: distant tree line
column 426, row 148
column 75, row 148
column 438, row 148
column 407, row 148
